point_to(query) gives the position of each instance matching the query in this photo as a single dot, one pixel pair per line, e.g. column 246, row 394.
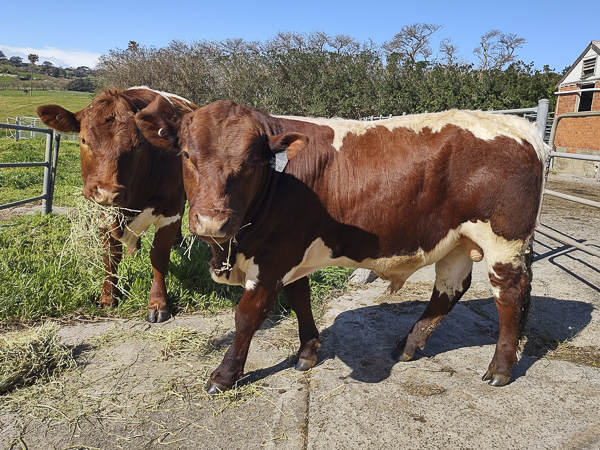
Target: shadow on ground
column 364, row 338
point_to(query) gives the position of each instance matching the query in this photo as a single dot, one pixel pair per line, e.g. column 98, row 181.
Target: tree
column 412, row 41
column 133, row 46
column 497, row 49
column 82, row 85
column 16, row 61
column 2, row 56
column 449, row 52
column 33, row 58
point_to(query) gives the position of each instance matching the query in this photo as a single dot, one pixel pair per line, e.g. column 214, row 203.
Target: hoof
column 399, row 354
column 158, row 316
column 107, row 302
column 214, row 388
column 496, row 379
column 304, row 364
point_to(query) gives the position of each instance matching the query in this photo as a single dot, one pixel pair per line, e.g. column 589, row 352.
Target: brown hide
column 391, row 196
column 119, row 167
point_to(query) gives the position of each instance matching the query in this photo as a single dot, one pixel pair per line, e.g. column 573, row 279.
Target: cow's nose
column 211, row 226
column 106, row 197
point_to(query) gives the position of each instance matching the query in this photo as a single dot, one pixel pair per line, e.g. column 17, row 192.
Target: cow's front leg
column 252, row 311
column 111, row 257
column 158, row 305
column 298, row 296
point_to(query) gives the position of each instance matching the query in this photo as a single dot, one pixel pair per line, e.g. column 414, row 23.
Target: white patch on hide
column 166, row 95
column 451, row 271
column 243, row 273
column 396, row 269
column 483, row 125
column 496, row 249
column 134, row 229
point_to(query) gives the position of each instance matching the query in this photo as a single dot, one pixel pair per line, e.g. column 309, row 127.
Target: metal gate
column 544, row 229
column 49, row 164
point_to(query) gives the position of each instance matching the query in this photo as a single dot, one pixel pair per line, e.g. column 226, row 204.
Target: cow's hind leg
column 511, row 283
column 298, row 296
column 452, row 279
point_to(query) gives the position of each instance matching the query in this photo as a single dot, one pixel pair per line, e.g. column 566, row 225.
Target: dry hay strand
column 32, row 356
column 236, row 396
column 91, row 223
column 177, row 340
column 590, row 356
column 182, row 340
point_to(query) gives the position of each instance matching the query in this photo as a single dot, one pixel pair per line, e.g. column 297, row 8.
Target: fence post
column 542, row 116
column 53, row 170
column 47, row 201
column 17, row 122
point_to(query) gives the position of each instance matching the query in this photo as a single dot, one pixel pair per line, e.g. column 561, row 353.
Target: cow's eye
column 186, row 155
column 82, row 140
column 255, row 162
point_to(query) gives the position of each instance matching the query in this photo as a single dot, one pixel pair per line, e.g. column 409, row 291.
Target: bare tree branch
column 412, row 41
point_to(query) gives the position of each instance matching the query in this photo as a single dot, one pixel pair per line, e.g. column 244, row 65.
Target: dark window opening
column 586, row 98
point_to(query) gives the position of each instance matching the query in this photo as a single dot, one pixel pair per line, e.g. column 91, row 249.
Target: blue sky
column 77, row 32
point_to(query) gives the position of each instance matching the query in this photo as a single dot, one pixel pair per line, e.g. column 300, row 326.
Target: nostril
column 224, row 223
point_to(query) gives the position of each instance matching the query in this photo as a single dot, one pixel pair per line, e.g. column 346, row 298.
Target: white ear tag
column 279, row 161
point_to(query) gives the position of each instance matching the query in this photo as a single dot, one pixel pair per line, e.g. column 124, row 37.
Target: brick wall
column 577, row 135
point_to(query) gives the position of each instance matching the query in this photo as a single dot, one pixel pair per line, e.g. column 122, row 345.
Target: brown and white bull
column 392, row 196
column 119, row 167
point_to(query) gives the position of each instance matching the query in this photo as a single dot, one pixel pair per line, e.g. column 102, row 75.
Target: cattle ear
column 59, row 118
column 292, row 142
column 160, row 131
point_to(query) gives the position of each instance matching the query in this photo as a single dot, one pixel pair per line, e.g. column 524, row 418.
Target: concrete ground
column 131, row 392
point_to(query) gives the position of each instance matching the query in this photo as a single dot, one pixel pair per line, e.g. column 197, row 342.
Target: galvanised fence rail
column 542, row 228
column 49, row 165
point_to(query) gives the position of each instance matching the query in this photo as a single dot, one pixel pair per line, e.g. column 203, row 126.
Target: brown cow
column 121, row 168
column 391, row 196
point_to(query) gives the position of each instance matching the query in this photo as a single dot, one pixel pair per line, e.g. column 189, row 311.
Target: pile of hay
column 180, row 340
column 27, row 357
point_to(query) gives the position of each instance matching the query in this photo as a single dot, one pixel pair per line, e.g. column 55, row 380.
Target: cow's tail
column 529, row 255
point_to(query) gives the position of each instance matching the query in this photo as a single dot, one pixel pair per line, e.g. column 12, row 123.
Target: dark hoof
column 158, row 316
column 214, row 388
column 304, row 364
column 399, row 354
column 496, row 379
column 499, row 380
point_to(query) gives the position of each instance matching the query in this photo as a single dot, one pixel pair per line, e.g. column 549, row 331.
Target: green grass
column 16, row 104
column 43, row 273
column 26, row 182
column 48, row 270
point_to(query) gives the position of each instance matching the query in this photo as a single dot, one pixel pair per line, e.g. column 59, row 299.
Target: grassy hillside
column 15, row 103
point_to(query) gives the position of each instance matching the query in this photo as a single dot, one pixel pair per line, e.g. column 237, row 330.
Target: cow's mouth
column 219, row 240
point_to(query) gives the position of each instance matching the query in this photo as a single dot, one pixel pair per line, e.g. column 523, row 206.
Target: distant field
column 16, row 104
